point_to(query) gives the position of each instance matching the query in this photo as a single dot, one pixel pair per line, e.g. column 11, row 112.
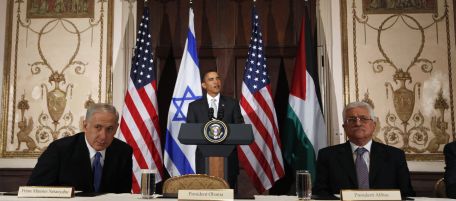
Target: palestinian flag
column 305, row 131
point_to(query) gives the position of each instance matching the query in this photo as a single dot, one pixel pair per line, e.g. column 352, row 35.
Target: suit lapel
column 81, row 154
column 346, row 160
column 222, row 103
column 205, row 108
column 376, row 158
column 109, row 163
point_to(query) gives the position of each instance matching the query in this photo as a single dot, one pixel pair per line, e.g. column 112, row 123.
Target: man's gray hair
column 101, row 107
column 357, row 105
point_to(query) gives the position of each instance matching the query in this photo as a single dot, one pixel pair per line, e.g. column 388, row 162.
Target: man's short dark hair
column 206, row 72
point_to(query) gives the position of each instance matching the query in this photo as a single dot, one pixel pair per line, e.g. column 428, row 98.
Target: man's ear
column 84, row 125
column 203, row 85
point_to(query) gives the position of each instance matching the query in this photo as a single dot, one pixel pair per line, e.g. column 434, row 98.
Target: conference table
column 137, row 197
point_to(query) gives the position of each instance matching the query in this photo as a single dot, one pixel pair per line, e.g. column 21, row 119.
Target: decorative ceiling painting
column 57, row 63
column 398, row 57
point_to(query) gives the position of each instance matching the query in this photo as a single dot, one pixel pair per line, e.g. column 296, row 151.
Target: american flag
column 262, row 159
column 139, row 123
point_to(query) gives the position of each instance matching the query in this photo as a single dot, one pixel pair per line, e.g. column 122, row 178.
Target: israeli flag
column 179, row 158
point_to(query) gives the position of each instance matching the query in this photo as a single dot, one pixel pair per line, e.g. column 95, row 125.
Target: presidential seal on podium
column 215, row 131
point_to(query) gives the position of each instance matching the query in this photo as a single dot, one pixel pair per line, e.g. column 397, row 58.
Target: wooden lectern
column 238, row 134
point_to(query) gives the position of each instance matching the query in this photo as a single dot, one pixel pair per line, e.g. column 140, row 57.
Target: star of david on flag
column 179, row 158
column 179, row 102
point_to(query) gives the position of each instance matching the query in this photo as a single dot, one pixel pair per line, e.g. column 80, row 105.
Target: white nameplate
column 207, row 194
column 392, row 194
column 45, row 192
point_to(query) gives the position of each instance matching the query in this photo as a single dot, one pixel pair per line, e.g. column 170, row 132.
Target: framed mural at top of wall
column 399, row 57
column 60, row 8
column 57, row 62
column 399, row 6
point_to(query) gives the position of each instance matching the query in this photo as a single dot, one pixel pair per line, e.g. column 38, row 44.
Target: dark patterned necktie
column 97, row 171
column 361, row 169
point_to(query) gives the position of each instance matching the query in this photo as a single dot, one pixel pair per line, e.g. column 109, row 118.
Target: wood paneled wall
column 223, row 32
column 12, row 178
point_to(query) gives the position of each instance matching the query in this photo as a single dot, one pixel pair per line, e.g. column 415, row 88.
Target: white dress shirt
column 366, row 155
column 92, row 153
column 209, row 99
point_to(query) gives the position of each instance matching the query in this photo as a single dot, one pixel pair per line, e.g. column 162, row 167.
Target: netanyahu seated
column 92, row 161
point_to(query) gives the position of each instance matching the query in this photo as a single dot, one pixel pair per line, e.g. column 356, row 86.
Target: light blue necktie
column 97, row 172
column 214, row 106
column 361, row 169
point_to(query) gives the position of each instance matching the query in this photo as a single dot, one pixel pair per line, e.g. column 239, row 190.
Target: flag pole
column 191, row 3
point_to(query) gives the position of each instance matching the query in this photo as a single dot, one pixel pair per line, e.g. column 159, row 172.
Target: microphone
column 220, row 113
column 211, row 113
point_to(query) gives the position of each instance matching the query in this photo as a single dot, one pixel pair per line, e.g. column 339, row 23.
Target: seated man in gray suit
column 90, row 161
column 361, row 163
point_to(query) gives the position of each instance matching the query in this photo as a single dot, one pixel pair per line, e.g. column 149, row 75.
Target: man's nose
column 103, row 133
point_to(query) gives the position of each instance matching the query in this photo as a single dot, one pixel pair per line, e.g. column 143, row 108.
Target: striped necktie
column 97, row 172
column 361, row 169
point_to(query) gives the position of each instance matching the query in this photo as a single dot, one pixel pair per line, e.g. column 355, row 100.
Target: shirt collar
column 92, row 151
column 367, row 146
column 209, row 98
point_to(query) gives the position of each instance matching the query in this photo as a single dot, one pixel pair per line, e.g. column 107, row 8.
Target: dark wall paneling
column 423, row 182
column 12, row 178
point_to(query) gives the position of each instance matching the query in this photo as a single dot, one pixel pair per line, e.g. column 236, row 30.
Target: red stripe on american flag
column 276, row 130
column 262, row 130
column 147, row 137
column 154, row 117
column 147, row 102
column 132, row 142
column 258, row 124
column 250, row 171
column 267, row 137
column 135, row 185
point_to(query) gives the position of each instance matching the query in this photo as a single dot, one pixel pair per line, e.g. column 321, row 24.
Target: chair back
column 192, row 181
column 439, row 189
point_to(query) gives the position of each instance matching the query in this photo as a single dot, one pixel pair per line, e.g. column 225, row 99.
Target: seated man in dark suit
column 361, row 163
column 90, row 161
column 450, row 169
column 198, row 113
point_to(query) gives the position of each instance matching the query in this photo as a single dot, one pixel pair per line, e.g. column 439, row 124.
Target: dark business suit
column 450, row 169
column 198, row 112
column 336, row 170
column 66, row 162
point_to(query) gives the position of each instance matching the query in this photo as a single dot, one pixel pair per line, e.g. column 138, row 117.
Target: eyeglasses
column 353, row 120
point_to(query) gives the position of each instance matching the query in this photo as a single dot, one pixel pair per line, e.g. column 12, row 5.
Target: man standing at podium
column 361, row 163
column 225, row 108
